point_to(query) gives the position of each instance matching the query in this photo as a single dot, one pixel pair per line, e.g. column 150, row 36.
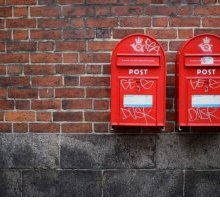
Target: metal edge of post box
column 198, row 82
column 138, row 82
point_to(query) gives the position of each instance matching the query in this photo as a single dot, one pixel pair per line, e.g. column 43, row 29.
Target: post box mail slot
column 138, row 78
column 198, row 82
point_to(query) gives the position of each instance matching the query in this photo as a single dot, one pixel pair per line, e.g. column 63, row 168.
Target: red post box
column 138, row 80
column 198, row 82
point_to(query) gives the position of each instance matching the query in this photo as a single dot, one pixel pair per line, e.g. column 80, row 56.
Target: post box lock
column 138, row 82
column 198, row 82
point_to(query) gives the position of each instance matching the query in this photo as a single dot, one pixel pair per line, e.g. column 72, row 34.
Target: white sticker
column 205, row 101
column 207, row 61
column 138, row 101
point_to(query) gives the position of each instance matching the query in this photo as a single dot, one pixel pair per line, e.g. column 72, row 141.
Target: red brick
column 70, row 69
column 3, row 93
column 5, row 35
column 45, row 46
column 14, row 58
column 14, row 81
column 70, row 57
column 209, row 1
column 77, row 104
column 97, row 93
column 71, row 81
column 63, row 2
column 185, row 22
column 20, row 116
column 47, row 81
column 107, row 22
column 94, row 57
column 170, row 80
column 101, row 104
column 20, row 34
column 2, row 2
column 79, row 34
column 21, row 46
column 44, row 128
column 171, row 68
column 170, row 127
column 5, row 127
column 46, row 93
column 6, row 105
column 211, row 22
column 71, row 46
column 74, row 11
column 185, row 33
column 45, row 104
column 93, row 69
column 44, row 116
column 101, row 128
column 20, row 23
column 160, row 10
column 170, row 116
column 39, row 70
column 169, row 104
column 207, row 10
column 160, row 22
column 127, row 10
column 101, row 2
column 77, row 128
column 97, row 116
column 46, row 34
column 94, row 81
column 121, row 33
column 207, row 30
column 20, row 127
column 102, row 10
column 6, row 12
column 185, row 10
column 2, row 70
column 21, row 2
column 2, row 46
column 69, row 93
column 175, row 45
column 45, row 11
column 135, row 22
column 1, row 116
column 23, row 105
column 162, row 33
column 21, row 11
column 21, row 93
column 46, row 58
column 15, row 70
column 2, row 26
column 101, row 45
column 68, row 116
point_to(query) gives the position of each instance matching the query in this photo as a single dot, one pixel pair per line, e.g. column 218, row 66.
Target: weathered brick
column 79, row 34
column 20, row 116
column 69, row 93
column 44, row 116
column 20, row 127
column 101, row 128
column 46, row 34
column 76, row 128
column 5, row 35
column 45, row 104
column 22, row 105
column 6, row 105
column 46, row 58
column 22, row 93
column 44, row 128
column 97, row 116
column 70, row 69
column 63, row 2
column 6, row 12
column 121, row 33
column 45, row 46
column 95, row 57
column 20, row 34
column 97, row 93
column 14, row 70
column 102, row 22
column 71, row 81
column 160, row 21
column 184, row 22
column 71, row 46
column 207, row 10
column 210, row 22
column 21, row 46
column 77, row 104
column 94, row 81
column 75, row 11
column 39, row 70
column 68, row 116
column 101, row 104
column 20, row 23
column 14, row 58
column 127, row 10
column 101, row 45
column 45, row 11
column 14, row 81
column 70, row 57
column 21, row 12
column 21, row 2
column 47, row 81
column 135, row 22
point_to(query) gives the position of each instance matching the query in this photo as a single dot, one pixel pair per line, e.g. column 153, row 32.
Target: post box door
column 138, row 100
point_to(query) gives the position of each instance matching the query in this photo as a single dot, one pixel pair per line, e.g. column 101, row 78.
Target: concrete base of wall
column 109, row 165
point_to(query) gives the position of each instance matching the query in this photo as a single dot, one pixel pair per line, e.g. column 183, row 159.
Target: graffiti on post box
column 200, row 83
column 136, row 113
column 202, row 114
column 148, row 46
column 129, row 84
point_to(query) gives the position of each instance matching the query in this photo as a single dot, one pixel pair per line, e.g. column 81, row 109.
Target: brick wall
column 55, row 57
column 55, row 80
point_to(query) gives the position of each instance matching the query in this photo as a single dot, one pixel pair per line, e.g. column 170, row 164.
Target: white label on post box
column 199, row 101
column 138, row 101
column 207, row 61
